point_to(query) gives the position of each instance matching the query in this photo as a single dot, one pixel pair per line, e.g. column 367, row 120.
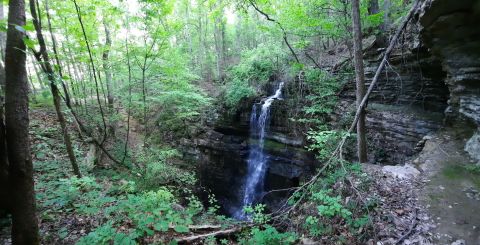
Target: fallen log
column 191, row 239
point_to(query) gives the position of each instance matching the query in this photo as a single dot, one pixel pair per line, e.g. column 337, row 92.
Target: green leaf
column 29, row 43
column 181, row 228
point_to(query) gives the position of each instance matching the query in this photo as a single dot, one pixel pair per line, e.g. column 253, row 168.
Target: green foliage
column 268, row 235
column 332, row 208
column 257, row 67
column 321, row 100
column 324, row 143
column 329, row 206
column 315, row 227
column 257, row 214
column 107, row 234
column 473, row 168
column 146, row 213
column 43, row 99
column 158, row 169
column 237, row 90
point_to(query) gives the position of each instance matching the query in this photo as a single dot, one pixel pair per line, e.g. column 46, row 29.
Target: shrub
column 268, row 236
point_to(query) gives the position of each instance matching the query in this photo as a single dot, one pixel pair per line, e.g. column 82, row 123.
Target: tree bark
column 54, row 46
column 3, row 163
column 106, row 65
column 360, row 80
column 3, row 145
column 2, row 52
column 93, row 69
column 42, row 55
column 24, row 220
column 32, row 87
column 374, row 8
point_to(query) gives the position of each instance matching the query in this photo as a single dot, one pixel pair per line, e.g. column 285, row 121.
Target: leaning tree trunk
column 47, row 68
column 360, row 80
column 24, row 220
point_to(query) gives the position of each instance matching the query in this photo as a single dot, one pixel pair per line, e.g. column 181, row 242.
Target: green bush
column 268, row 236
column 158, row 169
column 256, row 68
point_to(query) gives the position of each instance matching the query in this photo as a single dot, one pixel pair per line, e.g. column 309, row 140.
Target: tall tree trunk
column 129, row 67
column 360, row 80
column 32, row 87
column 373, row 8
column 54, row 46
column 2, row 52
column 94, row 70
column 39, row 76
column 219, row 33
column 3, row 164
column 47, row 68
column 106, row 64
column 386, row 15
column 3, row 145
column 24, row 220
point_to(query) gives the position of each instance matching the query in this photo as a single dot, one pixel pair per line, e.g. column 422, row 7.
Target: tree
column 43, row 58
column 2, row 53
column 106, row 64
column 24, row 220
column 3, row 146
column 360, row 80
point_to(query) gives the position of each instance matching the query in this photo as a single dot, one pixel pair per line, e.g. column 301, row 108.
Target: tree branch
column 285, row 38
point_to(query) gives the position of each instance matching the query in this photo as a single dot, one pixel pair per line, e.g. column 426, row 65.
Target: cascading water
column 257, row 160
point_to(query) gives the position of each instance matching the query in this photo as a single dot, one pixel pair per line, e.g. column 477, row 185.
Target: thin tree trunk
column 54, row 46
column 77, row 8
column 39, row 76
column 360, row 81
column 24, row 220
column 32, row 87
column 386, row 15
column 106, row 65
column 373, row 8
column 3, row 163
column 129, row 93
column 42, row 55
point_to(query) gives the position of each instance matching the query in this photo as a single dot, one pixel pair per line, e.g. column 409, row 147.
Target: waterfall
column 257, row 160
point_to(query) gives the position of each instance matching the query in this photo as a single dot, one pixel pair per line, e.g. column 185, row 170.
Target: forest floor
column 69, row 208
column 433, row 200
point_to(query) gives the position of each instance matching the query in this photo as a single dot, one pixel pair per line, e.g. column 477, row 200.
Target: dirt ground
column 432, row 200
column 451, row 192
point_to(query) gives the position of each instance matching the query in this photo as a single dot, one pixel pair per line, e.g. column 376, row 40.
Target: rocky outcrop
column 221, row 155
column 408, row 101
column 450, row 29
column 395, row 131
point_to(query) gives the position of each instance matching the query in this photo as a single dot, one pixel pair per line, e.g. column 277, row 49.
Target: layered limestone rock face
column 451, row 30
column 408, row 101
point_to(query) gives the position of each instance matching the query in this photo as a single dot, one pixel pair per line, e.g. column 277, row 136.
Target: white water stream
column 257, row 160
